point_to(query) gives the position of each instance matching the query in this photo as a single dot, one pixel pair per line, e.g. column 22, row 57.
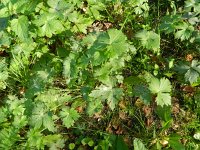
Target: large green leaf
column 20, row 26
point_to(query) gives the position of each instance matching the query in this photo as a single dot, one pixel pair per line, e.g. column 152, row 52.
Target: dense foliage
column 99, row 74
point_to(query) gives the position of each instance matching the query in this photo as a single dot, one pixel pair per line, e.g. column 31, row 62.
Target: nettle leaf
column 112, row 95
column 184, row 32
column 20, row 26
column 48, row 24
column 69, row 116
column 149, row 39
column 162, row 88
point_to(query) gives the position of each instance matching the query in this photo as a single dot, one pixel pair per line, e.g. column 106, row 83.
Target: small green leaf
column 94, row 106
column 112, row 95
column 48, row 24
column 174, row 141
column 149, row 40
column 20, row 26
column 41, row 116
column 162, row 85
column 138, row 145
column 162, row 88
column 69, row 116
column 192, row 71
column 184, row 31
column 144, row 93
column 72, row 146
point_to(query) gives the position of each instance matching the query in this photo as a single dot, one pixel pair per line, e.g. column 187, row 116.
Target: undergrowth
column 106, row 74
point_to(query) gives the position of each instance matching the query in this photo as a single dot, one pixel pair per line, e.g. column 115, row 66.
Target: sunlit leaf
column 20, row 26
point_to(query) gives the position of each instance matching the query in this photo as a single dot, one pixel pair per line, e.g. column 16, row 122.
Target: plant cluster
column 106, row 74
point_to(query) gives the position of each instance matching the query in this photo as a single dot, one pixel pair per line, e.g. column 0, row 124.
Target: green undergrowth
column 102, row 75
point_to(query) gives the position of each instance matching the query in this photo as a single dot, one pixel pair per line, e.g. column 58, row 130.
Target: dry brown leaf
column 189, row 57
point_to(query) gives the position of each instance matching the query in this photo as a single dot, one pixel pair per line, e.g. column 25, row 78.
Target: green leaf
column 192, row 4
column 71, row 146
column 163, row 99
column 94, row 106
column 69, row 116
column 48, row 24
column 20, row 26
column 149, row 40
column 138, row 145
column 144, row 93
column 53, row 140
column 3, row 23
column 119, row 144
column 41, row 116
column 184, row 31
column 175, row 143
column 80, row 21
column 162, row 85
column 26, row 7
column 191, row 71
column 3, row 73
column 35, row 138
column 162, row 88
column 8, row 137
column 112, row 95
column 5, row 39
column 3, row 115
column 111, row 44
